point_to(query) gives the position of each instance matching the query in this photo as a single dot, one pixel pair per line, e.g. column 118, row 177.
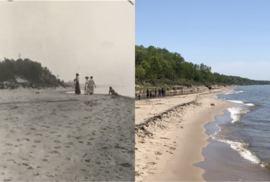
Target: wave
column 236, row 112
column 235, row 92
column 242, row 149
column 250, row 104
column 236, row 101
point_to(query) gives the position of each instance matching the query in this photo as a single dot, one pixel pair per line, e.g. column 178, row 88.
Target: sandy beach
column 169, row 139
column 50, row 135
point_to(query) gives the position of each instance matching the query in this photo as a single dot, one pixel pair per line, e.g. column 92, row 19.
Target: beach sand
column 169, row 143
column 50, row 135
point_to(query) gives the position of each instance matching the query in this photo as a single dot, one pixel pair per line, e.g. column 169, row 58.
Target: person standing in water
column 91, row 85
column 86, row 89
column 77, row 85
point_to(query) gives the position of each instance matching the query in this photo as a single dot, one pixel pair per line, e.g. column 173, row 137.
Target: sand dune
column 55, row 136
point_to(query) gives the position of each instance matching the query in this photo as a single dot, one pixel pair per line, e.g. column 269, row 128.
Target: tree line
column 153, row 63
column 29, row 70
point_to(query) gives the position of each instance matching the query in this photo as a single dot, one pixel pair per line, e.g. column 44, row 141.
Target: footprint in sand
column 68, row 159
column 6, row 153
column 54, row 152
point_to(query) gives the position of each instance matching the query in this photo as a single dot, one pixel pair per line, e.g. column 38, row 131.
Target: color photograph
column 202, row 90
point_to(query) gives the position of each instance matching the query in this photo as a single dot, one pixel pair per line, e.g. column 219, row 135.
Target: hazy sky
column 231, row 36
column 92, row 38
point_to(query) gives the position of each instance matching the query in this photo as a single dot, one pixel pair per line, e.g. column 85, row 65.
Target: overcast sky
column 231, row 36
column 89, row 37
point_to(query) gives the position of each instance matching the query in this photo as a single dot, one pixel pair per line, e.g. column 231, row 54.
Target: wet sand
column 168, row 144
column 49, row 135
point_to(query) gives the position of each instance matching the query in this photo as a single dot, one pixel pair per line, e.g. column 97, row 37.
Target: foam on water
column 236, row 113
column 245, row 129
column 241, row 147
column 243, row 150
column 236, row 101
column 250, row 104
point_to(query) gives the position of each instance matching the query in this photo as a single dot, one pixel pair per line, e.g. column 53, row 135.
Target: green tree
column 140, row 72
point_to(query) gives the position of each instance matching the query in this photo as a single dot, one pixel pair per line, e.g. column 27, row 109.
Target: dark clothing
column 77, row 88
column 147, row 93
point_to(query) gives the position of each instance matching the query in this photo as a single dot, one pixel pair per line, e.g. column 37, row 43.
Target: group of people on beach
column 154, row 93
column 89, row 85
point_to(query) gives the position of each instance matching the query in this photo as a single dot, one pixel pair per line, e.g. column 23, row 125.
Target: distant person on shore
column 91, row 85
column 159, row 92
column 147, row 93
column 155, row 93
column 164, row 92
column 77, row 85
column 86, row 89
column 139, row 96
column 112, row 92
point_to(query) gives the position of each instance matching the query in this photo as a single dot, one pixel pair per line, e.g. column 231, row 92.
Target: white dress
column 91, row 84
column 86, row 90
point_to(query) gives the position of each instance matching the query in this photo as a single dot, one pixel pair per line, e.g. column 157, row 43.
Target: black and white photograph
column 67, row 97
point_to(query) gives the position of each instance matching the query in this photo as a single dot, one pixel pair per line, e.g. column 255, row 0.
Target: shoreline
column 163, row 149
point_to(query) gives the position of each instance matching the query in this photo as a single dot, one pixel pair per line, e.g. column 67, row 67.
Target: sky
column 230, row 36
column 93, row 38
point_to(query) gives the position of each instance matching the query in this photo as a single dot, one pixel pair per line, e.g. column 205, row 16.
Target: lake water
column 239, row 148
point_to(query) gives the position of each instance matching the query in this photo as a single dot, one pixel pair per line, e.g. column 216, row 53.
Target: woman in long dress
column 91, row 85
column 77, row 85
column 86, row 89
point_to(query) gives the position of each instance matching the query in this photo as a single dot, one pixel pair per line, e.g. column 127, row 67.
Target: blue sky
column 231, row 36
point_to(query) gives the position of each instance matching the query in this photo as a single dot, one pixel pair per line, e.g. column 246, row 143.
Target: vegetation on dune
column 32, row 72
column 156, row 66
